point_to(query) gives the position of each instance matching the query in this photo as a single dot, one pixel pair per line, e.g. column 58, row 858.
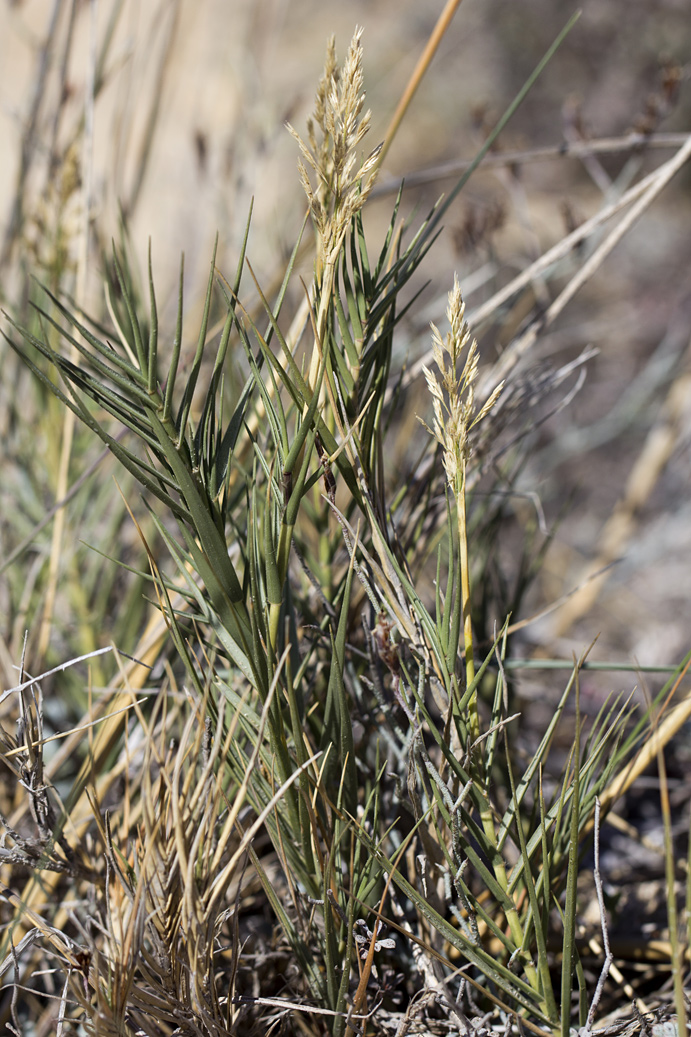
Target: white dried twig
column 587, row 1029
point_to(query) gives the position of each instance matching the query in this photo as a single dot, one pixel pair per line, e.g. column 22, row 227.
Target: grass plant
column 303, row 805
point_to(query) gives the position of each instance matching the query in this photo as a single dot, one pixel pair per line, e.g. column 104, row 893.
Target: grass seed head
column 453, row 396
column 334, row 133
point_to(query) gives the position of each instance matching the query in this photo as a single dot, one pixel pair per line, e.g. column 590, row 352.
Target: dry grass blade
column 418, row 73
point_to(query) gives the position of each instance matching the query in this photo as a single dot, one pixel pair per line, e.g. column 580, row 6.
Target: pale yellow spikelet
column 489, row 404
column 319, row 114
column 343, row 182
column 334, row 134
column 454, row 396
column 438, row 398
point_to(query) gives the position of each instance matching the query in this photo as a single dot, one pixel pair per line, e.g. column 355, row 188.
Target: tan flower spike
column 343, row 183
column 453, row 396
column 453, row 399
column 334, row 134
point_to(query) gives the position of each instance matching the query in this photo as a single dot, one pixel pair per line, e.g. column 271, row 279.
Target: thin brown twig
column 638, row 142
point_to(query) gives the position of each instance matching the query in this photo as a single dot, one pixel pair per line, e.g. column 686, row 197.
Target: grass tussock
column 304, row 800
